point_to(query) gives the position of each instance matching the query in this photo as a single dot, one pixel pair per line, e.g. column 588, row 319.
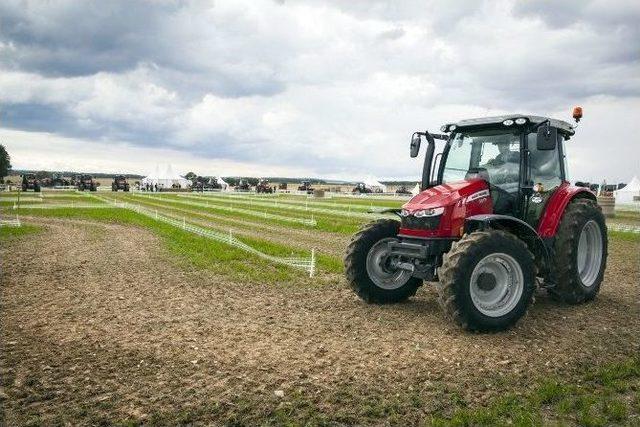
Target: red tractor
column 495, row 219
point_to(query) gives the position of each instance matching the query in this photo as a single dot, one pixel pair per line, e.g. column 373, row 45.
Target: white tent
column 626, row 194
column 167, row 180
column 222, row 183
column 375, row 184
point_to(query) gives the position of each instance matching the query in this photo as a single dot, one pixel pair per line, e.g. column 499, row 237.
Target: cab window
column 544, row 165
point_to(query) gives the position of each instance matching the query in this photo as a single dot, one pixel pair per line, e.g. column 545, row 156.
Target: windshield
column 493, row 155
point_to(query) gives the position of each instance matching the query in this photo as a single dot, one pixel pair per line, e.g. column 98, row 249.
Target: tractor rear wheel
column 580, row 253
column 487, row 281
column 368, row 267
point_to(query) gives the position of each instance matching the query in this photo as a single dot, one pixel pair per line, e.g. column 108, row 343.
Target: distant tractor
column 30, row 182
column 199, row 183
column 282, row 186
column 120, row 183
column 306, row 187
column 86, row 182
column 264, row 186
column 362, row 188
column 58, row 180
column 494, row 220
column 243, row 185
column 403, row 190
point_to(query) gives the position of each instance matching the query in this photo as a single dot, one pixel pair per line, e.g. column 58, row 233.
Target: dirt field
column 90, row 334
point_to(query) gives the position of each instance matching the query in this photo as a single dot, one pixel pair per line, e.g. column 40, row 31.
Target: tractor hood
column 444, row 195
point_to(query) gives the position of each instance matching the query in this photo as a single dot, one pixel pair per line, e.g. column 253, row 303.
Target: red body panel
column 556, row 205
column 452, row 197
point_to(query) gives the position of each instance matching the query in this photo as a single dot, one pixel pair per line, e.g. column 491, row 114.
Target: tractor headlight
column 404, row 213
column 521, row 121
column 508, row 122
column 452, row 128
column 443, row 128
column 423, row 213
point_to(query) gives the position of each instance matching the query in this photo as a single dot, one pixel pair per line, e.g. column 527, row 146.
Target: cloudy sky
column 307, row 88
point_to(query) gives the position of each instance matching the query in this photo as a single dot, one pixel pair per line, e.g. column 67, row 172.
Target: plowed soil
column 98, row 324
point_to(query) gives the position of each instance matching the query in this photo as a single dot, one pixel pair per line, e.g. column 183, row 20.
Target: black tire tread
column 355, row 264
column 450, row 272
column 568, row 289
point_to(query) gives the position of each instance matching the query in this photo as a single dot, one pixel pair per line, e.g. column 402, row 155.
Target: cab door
column 545, row 174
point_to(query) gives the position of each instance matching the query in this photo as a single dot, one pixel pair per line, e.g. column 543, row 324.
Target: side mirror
column 546, row 138
column 414, row 147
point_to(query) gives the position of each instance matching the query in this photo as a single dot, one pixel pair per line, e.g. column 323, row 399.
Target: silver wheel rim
column 496, row 285
column 589, row 253
column 378, row 268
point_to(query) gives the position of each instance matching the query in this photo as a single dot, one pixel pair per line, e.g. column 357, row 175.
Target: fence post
column 313, row 262
column 184, row 223
column 156, row 213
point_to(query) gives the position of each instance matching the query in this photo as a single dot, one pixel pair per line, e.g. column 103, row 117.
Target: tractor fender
column 516, row 227
column 557, row 203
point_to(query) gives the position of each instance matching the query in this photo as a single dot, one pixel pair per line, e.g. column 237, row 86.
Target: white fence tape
column 310, row 201
column 219, row 205
column 21, row 199
column 306, row 264
column 627, row 228
column 10, row 222
column 64, row 205
column 306, row 208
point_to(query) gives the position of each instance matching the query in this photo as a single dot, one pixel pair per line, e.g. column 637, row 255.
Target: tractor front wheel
column 369, row 268
column 580, row 253
column 487, row 281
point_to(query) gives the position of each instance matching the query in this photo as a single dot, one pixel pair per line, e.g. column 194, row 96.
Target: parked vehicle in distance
column 30, row 182
column 264, row 186
column 306, row 187
column 120, row 183
column 86, row 182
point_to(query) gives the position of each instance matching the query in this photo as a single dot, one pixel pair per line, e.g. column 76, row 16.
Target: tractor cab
column 517, row 159
column 496, row 217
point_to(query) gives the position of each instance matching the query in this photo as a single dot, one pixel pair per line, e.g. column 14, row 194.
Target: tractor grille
column 426, row 223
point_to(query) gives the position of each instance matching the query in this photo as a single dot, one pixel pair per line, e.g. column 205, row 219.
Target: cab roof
column 562, row 126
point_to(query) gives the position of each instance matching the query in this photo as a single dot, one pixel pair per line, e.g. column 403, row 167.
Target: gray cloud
column 331, row 88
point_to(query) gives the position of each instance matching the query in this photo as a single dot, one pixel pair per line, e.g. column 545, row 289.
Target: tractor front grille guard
column 424, row 223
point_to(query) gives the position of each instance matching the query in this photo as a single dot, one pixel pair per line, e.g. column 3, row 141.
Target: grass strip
column 196, row 250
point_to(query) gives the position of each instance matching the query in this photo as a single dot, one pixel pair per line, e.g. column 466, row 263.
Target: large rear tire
column 367, row 268
column 581, row 250
column 487, row 281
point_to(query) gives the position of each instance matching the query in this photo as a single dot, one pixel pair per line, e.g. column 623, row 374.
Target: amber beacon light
column 577, row 113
